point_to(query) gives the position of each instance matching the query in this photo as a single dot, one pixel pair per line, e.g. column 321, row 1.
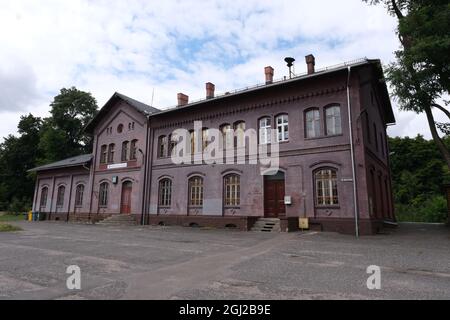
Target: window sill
column 324, row 137
column 327, row 207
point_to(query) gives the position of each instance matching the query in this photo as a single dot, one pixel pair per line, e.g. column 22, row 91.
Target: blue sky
column 166, row 47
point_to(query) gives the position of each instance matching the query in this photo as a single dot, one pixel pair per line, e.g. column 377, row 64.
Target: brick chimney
column 269, row 74
column 182, row 99
column 210, row 87
column 310, row 63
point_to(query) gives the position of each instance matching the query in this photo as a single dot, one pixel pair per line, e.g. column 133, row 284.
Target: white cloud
column 175, row 46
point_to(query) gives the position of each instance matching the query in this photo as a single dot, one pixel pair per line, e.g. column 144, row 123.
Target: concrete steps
column 118, row 220
column 267, row 225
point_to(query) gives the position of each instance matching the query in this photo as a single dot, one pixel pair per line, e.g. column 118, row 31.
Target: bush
column 19, row 206
column 432, row 209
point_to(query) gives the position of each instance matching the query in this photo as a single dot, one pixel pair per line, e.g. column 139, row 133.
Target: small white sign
column 347, row 180
column 117, row 166
column 287, row 200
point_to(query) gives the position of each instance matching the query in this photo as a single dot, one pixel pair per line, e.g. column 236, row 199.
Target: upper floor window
column 196, row 192
column 173, row 141
column 282, row 127
column 120, row 128
column 193, row 137
column 103, row 153
column 165, row 193
column 60, row 196
column 227, row 136
column 232, row 190
column 312, row 123
column 111, row 153
column 125, row 151
column 79, row 195
column 44, row 194
column 239, row 132
column 133, row 149
column 326, row 187
column 205, row 137
column 265, row 125
column 103, row 194
column 333, row 120
column 162, row 146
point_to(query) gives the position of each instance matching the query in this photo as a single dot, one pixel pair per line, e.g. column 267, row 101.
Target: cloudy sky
column 166, row 47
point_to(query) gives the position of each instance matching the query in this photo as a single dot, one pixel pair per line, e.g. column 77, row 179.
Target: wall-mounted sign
column 287, row 200
column 347, row 180
column 115, row 179
column 117, row 166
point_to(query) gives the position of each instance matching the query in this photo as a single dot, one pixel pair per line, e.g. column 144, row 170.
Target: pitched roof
column 70, row 162
column 139, row 106
column 303, row 77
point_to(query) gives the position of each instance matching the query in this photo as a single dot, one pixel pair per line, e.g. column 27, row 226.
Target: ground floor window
column 196, row 192
column 79, row 195
column 232, row 190
column 44, row 194
column 103, row 194
column 60, row 196
column 326, row 187
column 165, row 193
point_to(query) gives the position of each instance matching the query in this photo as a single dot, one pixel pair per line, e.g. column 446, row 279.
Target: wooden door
column 274, row 198
column 125, row 206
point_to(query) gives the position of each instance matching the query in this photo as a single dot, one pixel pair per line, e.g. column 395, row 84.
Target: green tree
column 420, row 76
column 17, row 155
column 62, row 134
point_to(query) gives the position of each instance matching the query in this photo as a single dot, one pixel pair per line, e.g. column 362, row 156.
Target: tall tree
column 62, row 135
column 420, row 76
column 17, row 155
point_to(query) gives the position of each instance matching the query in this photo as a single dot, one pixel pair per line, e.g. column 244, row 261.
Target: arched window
column 312, row 126
column 60, row 196
column 333, row 120
column 103, row 194
column 196, row 192
column 265, row 126
column 173, row 141
column 125, row 151
column 232, row 190
column 103, row 153
column 79, row 192
column 133, row 150
column 44, row 194
column 227, row 136
column 120, row 128
column 326, row 187
column 205, row 138
column 165, row 193
column 111, row 153
column 282, row 122
column 162, row 146
column 239, row 133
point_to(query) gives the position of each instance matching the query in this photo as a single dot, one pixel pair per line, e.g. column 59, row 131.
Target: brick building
column 333, row 159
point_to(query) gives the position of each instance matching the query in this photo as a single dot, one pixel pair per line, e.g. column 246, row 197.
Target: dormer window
column 120, row 128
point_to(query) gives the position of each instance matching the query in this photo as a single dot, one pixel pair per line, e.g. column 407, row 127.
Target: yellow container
column 30, row 215
column 303, row 223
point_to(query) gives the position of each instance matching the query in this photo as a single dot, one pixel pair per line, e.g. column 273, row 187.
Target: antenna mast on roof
column 153, row 95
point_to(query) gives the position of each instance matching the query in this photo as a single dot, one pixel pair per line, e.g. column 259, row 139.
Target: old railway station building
column 333, row 157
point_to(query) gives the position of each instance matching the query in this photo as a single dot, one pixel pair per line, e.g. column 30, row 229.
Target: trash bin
column 30, row 216
column 35, row 216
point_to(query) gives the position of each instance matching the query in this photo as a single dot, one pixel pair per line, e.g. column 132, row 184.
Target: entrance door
column 125, row 206
column 274, row 196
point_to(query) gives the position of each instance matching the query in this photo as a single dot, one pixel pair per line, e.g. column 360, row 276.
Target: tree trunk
column 439, row 143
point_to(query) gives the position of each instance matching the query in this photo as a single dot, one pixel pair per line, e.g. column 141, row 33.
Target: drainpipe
column 352, row 155
column 144, row 163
